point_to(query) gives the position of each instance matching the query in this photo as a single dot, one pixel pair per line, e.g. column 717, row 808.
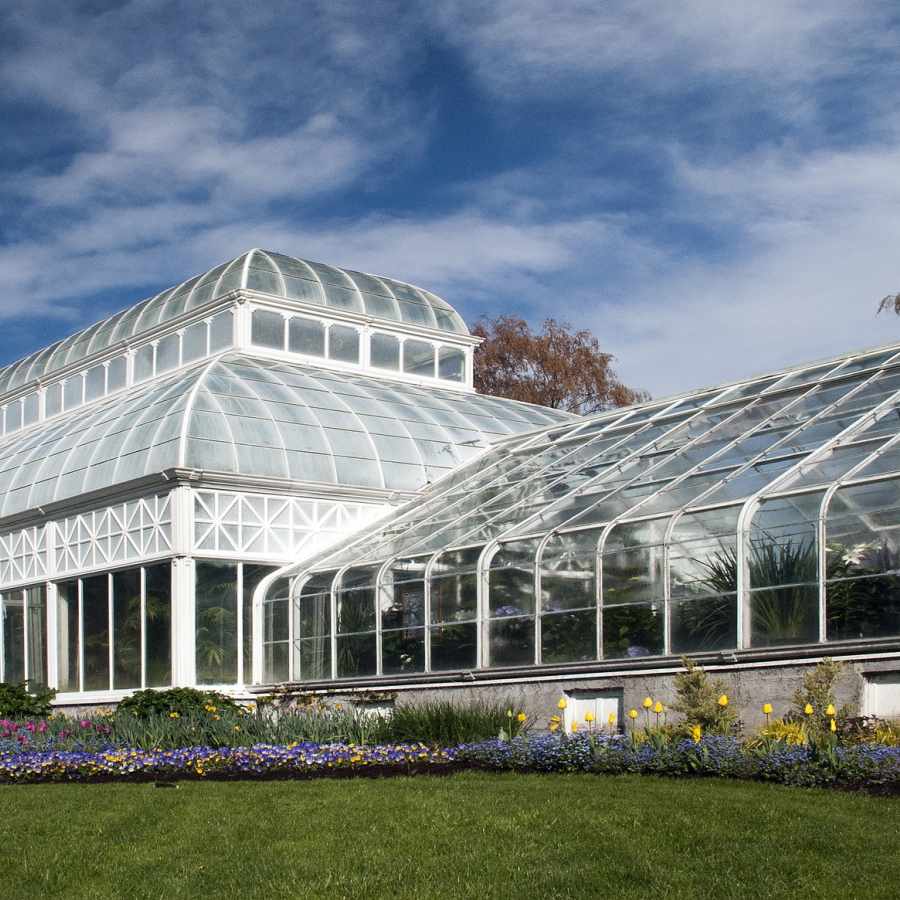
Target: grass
column 471, row 835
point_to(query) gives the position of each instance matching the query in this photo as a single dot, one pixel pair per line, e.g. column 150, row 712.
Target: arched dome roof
column 243, row 415
column 256, row 270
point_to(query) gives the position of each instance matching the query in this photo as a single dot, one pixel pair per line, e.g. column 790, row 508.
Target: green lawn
column 469, row 835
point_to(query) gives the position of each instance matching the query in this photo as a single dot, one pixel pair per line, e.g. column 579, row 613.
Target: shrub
column 699, row 700
column 17, row 702
column 184, row 701
column 817, row 692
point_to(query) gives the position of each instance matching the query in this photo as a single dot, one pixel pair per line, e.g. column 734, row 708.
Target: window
column 221, row 331
column 194, row 342
column 385, row 351
column 143, row 363
column 30, row 408
column 599, row 705
column 511, row 605
column 343, row 344
column 418, row 358
column 267, row 329
column 13, row 416
column 452, row 364
column 312, row 628
column 168, row 353
column 355, row 626
column 123, row 616
column 73, row 391
column 95, row 383
column 13, row 609
column 276, row 633
column 53, row 399
column 251, row 575
column 116, row 373
column 402, row 611
column 452, row 629
column 306, row 336
column 215, row 585
column 882, row 695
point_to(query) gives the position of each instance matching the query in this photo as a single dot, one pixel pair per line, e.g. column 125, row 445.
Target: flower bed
column 871, row 768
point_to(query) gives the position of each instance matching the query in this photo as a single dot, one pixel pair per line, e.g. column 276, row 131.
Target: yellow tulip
column 833, row 726
column 830, row 710
column 696, row 733
column 588, row 717
column 808, row 709
column 767, row 709
column 574, row 727
column 648, row 702
column 554, row 719
column 611, row 719
column 632, row 714
column 521, row 717
column 657, row 707
column 554, row 726
column 563, row 703
column 509, row 714
column 723, row 700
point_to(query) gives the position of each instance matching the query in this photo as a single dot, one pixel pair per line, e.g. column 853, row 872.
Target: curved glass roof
column 257, row 270
column 244, row 415
column 802, row 430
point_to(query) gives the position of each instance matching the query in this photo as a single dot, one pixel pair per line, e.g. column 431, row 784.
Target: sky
column 713, row 189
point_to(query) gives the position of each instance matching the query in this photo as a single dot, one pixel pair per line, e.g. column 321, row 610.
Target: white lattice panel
column 24, row 555
column 277, row 527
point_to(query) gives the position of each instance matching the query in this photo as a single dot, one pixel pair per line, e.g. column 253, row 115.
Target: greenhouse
column 754, row 525
column 157, row 466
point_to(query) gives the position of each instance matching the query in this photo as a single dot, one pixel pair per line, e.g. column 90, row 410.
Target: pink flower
column 42, row 727
column 85, row 723
column 30, row 726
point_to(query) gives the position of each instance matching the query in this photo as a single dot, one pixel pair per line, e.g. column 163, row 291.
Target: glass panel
column 275, row 662
column 30, row 408
column 67, row 657
column 568, row 576
column 511, row 579
column 73, row 391
column 403, row 651
column 143, row 363
column 95, row 629
column 783, row 571
column 418, row 358
column 312, row 660
column 343, row 343
column 158, row 624
column 452, row 364
column 699, row 624
column 512, row 641
column 312, row 628
column 569, row 636
column 95, row 383
column 267, row 329
column 13, row 416
column 356, row 655
column 453, row 646
column 454, row 586
column 127, row 629
column 252, row 574
column 168, row 353
column 632, row 631
column 384, row 351
column 14, row 637
column 36, row 598
column 216, row 622
column 116, row 373
column 221, row 331
column 193, row 342
column 863, row 562
column 356, row 600
column 52, row 399
column 306, row 336
column 632, row 563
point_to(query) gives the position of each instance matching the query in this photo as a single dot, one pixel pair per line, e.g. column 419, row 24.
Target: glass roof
column 802, row 430
column 256, row 270
column 243, row 415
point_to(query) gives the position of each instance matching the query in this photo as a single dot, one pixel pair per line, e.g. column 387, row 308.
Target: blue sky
column 713, row 189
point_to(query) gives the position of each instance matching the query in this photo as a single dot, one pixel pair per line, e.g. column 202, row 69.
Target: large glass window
column 216, row 622
column 343, row 343
column 452, row 364
column 143, row 362
column 251, row 576
column 418, row 358
column 73, row 391
column 36, row 635
column 356, row 644
column 158, row 625
column 168, row 353
column 569, row 597
column 312, row 628
column 95, row 632
column 632, row 622
column 862, row 557
column 52, row 399
column 782, row 565
column 276, row 634
column 68, row 641
column 385, row 351
column 30, row 408
column 306, row 336
column 194, row 342
column 127, row 619
column 116, row 373
column 511, row 605
column 267, row 329
column 703, row 586
column 402, row 610
column 95, row 383
column 12, row 605
column 453, row 629
column 221, row 331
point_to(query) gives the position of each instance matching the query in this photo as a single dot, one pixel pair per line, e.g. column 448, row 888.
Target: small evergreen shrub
column 184, row 701
column 17, row 702
column 817, row 694
column 703, row 701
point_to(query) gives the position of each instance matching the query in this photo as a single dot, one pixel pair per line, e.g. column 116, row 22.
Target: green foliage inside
column 697, row 698
column 18, row 702
column 184, row 701
column 464, row 836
